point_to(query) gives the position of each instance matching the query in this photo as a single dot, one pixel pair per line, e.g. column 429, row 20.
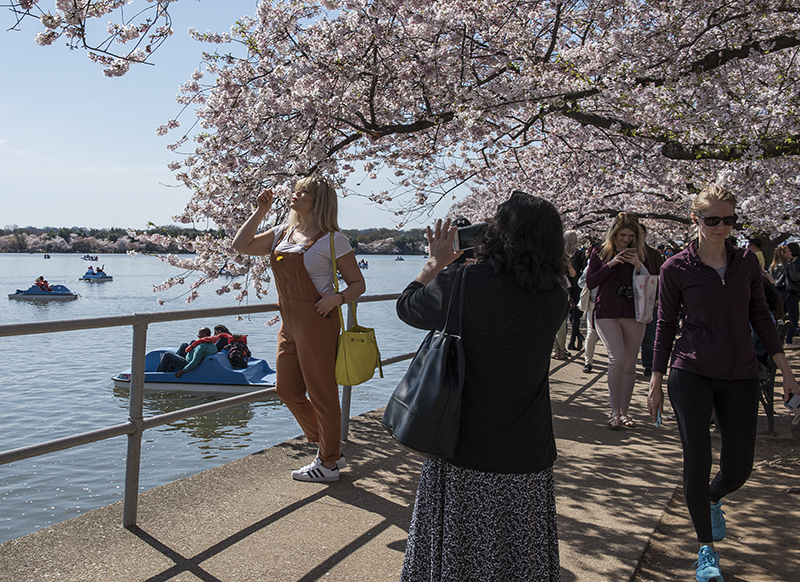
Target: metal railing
column 137, row 424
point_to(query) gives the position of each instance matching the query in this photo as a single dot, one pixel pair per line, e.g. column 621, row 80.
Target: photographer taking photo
column 611, row 268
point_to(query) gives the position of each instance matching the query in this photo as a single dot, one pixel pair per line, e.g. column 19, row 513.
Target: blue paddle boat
column 214, row 375
column 96, row 277
column 33, row 293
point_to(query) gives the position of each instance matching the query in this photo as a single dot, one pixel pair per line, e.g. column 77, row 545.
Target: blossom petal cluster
column 143, row 30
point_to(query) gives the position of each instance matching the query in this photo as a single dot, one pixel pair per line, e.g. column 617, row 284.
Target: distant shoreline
column 78, row 240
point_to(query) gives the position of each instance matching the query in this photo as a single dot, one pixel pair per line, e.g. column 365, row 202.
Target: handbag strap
column 336, row 288
column 459, row 285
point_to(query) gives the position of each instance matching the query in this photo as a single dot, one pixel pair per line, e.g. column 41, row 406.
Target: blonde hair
column 706, row 198
column 623, row 220
column 326, row 205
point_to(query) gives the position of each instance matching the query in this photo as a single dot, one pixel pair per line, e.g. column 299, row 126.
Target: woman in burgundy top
column 611, row 268
column 714, row 368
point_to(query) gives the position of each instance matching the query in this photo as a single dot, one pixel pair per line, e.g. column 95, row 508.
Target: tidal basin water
column 59, row 384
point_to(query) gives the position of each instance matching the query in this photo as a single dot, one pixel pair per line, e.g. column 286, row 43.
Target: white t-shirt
column 317, row 259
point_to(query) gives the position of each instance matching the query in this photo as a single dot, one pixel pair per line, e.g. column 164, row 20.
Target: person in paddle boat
column 42, row 284
column 223, row 336
column 489, row 512
column 611, row 269
column 300, row 258
column 203, row 346
column 714, row 368
column 89, row 272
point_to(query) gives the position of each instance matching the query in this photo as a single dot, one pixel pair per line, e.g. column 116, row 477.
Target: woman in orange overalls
column 300, row 258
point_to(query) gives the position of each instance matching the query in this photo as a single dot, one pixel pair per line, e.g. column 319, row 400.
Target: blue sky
column 80, row 149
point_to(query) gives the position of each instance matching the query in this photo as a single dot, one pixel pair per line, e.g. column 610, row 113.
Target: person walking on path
column 489, row 513
column 714, row 367
column 786, row 273
column 560, row 343
column 577, row 261
column 300, row 258
column 611, row 269
column 591, row 332
column 655, row 261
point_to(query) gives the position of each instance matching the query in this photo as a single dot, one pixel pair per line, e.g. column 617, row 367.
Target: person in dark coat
column 489, row 512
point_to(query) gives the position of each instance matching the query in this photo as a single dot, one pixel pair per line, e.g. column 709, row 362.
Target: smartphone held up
column 466, row 235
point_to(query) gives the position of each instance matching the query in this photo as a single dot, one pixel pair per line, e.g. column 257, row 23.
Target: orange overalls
column 306, row 359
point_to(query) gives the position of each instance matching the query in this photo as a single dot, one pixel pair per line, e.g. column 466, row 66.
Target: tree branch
column 770, row 148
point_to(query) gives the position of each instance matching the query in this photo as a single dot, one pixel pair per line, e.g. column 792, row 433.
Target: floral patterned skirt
column 473, row 526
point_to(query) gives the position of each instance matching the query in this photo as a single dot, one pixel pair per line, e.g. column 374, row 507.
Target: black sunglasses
column 715, row 220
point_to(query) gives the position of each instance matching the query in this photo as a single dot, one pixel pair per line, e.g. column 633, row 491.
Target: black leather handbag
column 424, row 412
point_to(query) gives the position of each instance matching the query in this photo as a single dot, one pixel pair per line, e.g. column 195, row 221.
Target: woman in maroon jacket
column 714, row 366
column 611, row 269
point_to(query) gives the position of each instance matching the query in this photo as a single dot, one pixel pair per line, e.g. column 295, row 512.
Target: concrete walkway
column 621, row 513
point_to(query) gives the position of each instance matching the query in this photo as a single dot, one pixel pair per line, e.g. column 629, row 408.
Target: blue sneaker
column 717, row 522
column 708, row 566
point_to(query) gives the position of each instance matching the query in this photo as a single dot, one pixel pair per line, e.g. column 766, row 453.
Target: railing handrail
column 136, row 423
column 148, row 317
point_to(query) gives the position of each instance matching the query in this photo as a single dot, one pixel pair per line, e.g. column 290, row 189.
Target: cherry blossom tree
column 597, row 105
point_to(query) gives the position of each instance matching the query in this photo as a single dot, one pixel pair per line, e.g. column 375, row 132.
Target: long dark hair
column 526, row 241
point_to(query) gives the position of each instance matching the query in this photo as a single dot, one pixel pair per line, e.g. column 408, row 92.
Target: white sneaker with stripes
column 341, row 463
column 316, row 472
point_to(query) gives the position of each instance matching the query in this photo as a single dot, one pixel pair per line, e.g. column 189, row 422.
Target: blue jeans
column 649, row 340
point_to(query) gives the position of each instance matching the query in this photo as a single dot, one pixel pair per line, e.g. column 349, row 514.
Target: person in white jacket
column 587, row 306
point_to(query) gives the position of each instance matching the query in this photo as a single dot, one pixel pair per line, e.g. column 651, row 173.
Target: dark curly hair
column 525, row 239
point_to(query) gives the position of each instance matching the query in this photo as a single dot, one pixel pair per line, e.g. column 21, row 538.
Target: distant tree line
column 385, row 241
column 29, row 239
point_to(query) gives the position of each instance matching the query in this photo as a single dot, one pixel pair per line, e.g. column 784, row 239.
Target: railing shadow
column 380, row 483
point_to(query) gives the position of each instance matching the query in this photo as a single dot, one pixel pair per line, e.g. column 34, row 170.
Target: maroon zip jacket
column 608, row 303
column 716, row 338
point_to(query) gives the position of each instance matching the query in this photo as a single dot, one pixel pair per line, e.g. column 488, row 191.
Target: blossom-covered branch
column 131, row 39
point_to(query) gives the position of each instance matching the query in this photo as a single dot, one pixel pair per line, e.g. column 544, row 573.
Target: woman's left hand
column 440, row 250
column 327, row 303
column 440, row 242
column 789, row 385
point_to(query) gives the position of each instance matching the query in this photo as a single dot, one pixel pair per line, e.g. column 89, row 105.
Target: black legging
column 735, row 407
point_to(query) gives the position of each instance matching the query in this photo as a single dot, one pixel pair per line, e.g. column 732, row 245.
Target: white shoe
column 341, row 462
column 316, row 472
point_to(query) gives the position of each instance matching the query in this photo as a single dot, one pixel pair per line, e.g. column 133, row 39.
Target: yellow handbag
column 357, row 353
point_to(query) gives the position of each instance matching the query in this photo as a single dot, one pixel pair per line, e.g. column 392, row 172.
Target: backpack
column 238, row 354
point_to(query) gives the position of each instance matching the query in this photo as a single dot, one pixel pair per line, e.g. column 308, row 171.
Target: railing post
column 347, row 391
column 136, row 417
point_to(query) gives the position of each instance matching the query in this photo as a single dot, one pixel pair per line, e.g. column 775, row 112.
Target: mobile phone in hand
column 466, row 235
